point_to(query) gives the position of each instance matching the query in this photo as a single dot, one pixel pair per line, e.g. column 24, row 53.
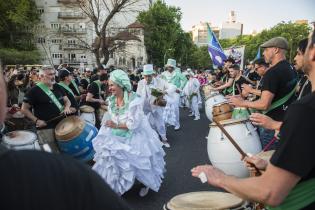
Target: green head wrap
column 121, row 78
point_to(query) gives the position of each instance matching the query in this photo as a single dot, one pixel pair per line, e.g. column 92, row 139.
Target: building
column 200, row 33
column 231, row 28
column 301, row 21
column 132, row 55
column 64, row 34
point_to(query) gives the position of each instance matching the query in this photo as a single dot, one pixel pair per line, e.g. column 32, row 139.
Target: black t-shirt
column 74, row 90
column 305, row 87
column 84, row 83
column 239, row 83
column 134, row 81
column 280, row 80
column 296, row 150
column 33, row 180
column 94, row 89
column 44, row 108
column 74, row 102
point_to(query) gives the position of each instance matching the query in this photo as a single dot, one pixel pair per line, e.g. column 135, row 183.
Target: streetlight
column 165, row 54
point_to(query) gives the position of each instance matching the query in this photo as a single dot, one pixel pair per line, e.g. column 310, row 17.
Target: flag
column 214, row 48
column 258, row 54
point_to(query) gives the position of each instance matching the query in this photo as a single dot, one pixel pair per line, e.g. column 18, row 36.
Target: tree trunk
column 97, row 56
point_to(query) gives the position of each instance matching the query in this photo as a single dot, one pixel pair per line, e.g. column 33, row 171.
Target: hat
column 120, row 78
column 88, row 69
column 171, row 63
column 63, row 73
column 278, row 42
column 148, row 70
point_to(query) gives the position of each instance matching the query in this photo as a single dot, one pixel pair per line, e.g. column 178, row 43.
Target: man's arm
column 263, row 103
column 229, row 83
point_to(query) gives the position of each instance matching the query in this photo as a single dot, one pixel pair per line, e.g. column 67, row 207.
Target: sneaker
column 177, row 128
column 144, row 191
column 197, row 118
column 190, row 115
column 166, row 144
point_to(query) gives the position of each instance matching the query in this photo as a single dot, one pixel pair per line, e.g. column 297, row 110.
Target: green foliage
column 13, row 56
column 291, row 31
column 164, row 37
column 17, row 19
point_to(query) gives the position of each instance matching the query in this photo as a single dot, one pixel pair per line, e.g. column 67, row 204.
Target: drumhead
column 19, row 137
column 229, row 122
column 220, row 104
column 266, row 155
column 204, row 201
column 18, row 114
column 69, row 127
column 86, row 108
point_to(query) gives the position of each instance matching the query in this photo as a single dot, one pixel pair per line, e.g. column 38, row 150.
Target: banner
column 237, row 53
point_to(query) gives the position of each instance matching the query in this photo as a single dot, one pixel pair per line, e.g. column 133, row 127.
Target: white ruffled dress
column 123, row 156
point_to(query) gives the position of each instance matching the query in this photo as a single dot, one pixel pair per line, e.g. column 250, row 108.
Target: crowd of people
column 141, row 106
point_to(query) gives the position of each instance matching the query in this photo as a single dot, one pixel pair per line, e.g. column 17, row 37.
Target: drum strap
column 302, row 195
column 281, row 101
column 66, row 87
column 99, row 86
column 50, row 94
column 75, row 86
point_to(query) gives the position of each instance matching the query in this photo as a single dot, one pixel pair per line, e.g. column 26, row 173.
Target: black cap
column 63, row 73
column 260, row 61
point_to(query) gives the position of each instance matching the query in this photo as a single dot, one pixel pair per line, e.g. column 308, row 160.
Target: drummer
column 65, row 79
column 95, row 96
column 278, row 87
column 49, row 103
column 290, row 175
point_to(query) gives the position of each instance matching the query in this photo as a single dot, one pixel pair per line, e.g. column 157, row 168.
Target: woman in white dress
column 126, row 147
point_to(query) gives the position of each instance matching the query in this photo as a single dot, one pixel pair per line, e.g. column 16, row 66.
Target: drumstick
column 237, row 147
column 9, row 122
column 55, row 118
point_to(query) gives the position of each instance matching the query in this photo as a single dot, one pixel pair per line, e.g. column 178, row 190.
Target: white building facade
column 200, row 33
column 231, row 28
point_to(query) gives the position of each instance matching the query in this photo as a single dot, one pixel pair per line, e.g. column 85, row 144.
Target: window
column 40, row 40
column 40, row 10
column 55, row 25
column 56, row 41
column 57, row 55
column 71, row 41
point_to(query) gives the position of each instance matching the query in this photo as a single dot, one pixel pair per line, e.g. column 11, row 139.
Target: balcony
column 74, row 61
column 71, row 15
column 73, row 30
column 73, row 47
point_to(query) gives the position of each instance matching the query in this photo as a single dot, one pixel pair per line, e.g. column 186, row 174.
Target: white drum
column 19, row 140
column 212, row 100
column 87, row 114
column 223, row 154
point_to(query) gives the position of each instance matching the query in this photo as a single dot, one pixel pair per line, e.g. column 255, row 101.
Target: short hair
column 103, row 77
column 44, row 69
column 302, row 45
column 235, row 67
column 230, row 59
column 261, row 62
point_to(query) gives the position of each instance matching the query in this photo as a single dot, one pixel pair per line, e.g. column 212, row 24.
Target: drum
column 87, row 114
column 19, row 140
column 74, row 137
column 205, row 201
column 102, row 110
column 223, row 154
column 212, row 100
column 240, row 113
column 222, row 111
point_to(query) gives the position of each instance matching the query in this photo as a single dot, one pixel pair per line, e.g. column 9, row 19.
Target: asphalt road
column 188, row 149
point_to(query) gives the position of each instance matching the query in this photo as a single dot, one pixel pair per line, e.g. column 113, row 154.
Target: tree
column 101, row 13
column 163, row 32
column 291, row 31
column 17, row 21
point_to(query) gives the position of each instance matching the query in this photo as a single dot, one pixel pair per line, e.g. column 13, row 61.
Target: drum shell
column 223, row 154
column 210, row 102
column 240, row 113
column 28, row 142
column 222, row 112
column 79, row 144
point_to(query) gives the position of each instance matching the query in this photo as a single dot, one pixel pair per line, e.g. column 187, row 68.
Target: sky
column 254, row 14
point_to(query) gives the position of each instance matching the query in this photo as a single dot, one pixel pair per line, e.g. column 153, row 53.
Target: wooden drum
column 222, row 111
column 74, row 137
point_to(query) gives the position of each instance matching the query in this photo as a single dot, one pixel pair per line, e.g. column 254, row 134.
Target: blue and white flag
column 258, row 54
column 215, row 50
